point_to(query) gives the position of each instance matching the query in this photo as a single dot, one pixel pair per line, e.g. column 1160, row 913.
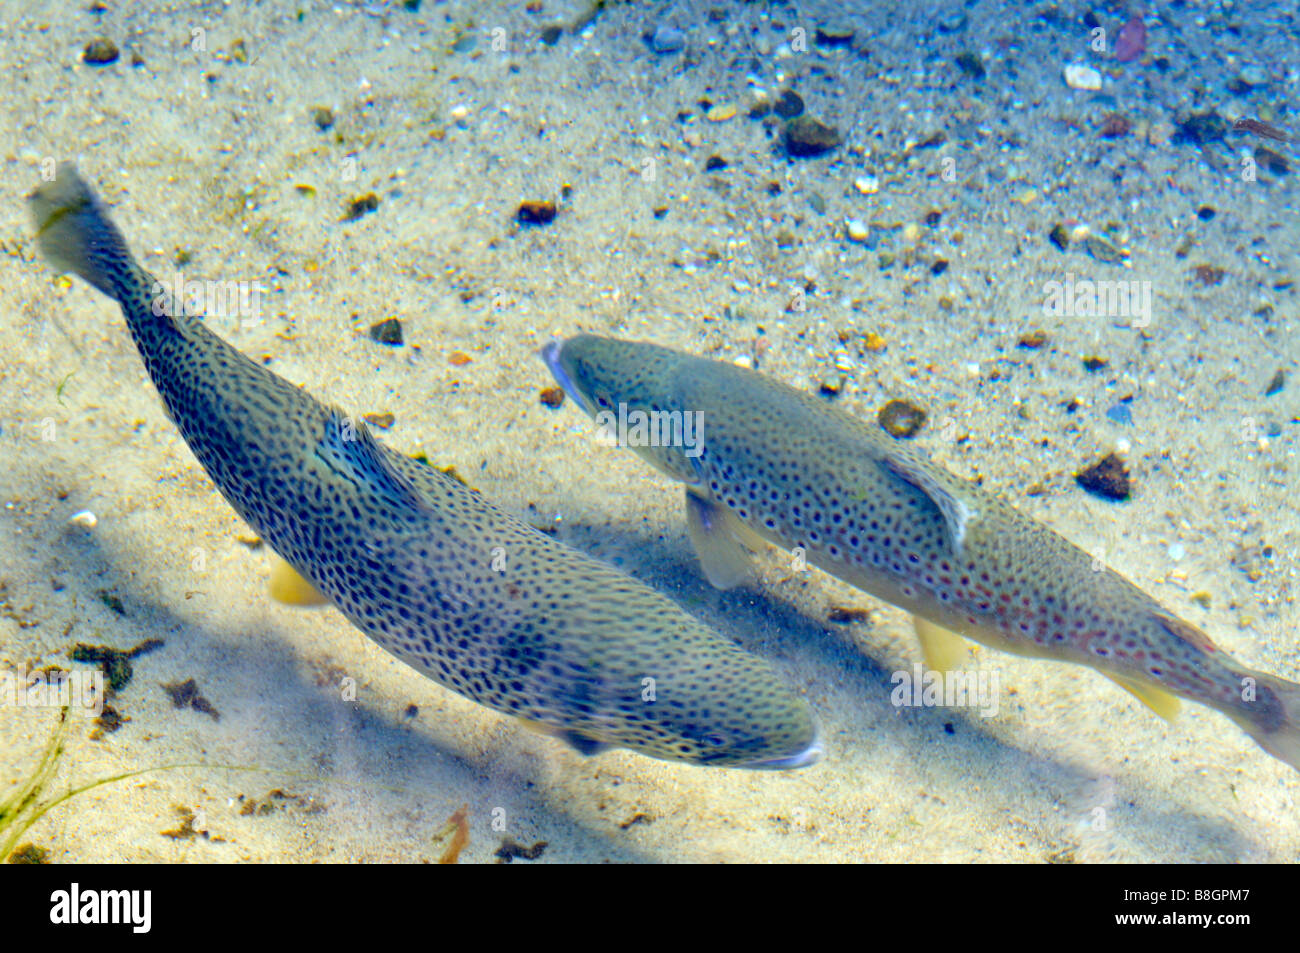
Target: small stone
column 806, row 137
column 1116, row 126
column 360, row 206
column 1059, row 237
column 667, row 39
column 1078, row 76
column 459, row 358
column 867, row 184
column 535, row 213
column 1205, row 213
column 85, row 518
column 1032, row 340
column 551, row 397
column 1208, row 275
column 249, row 539
column 1252, row 75
column 788, row 104
column 720, row 113
column 551, row 33
column 1271, row 161
column 857, row 230
column 1107, row 478
column 938, row 266
column 100, row 52
column 323, row 117
column 970, row 64
column 387, row 331
column 383, row 421
column 1200, row 128
column 1102, row 250
column 846, row 614
column 1092, row 363
column 1276, row 384
column 715, row 164
column 901, row 418
column 834, row 36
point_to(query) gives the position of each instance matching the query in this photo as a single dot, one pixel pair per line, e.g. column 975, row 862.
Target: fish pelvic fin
column 717, row 537
column 944, row 651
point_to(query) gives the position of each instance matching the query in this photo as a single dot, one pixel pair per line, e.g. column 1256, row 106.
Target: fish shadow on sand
column 849, row 682
column 281, row 714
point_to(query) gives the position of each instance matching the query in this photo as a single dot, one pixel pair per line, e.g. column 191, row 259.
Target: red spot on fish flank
column 1006, row 597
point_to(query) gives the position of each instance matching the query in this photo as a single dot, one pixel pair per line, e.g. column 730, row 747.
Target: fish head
column 627, row 388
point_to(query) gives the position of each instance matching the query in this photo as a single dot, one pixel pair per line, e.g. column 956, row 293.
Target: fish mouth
column 551, row 353
column 808, row 756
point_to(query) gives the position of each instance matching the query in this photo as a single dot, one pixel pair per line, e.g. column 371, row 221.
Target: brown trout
column 463, row 593
column 769, row 463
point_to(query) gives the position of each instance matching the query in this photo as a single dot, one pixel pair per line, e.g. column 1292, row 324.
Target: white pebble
column 867, row 184
column 1177, row 551
column 1078, row 76
column 85, row 518
column 857, row 229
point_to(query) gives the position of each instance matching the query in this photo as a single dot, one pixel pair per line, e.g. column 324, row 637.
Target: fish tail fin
column 1273, row 718
column 76, row 235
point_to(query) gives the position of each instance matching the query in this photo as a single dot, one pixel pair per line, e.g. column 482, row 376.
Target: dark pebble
column 1093, row 364
column 1205, row 213
column 535, row 213
column 100, row 52
column 361, row 206
column 901, row 418
column 387, row 331
column 788, row 105
column 1059, row 237
column 970, row 64
column 939, row 266
column 1200, row 128
column 1276, row 384
column 715, row 164
column 1107, row 478
column 551, row 396
column 834, row 36
column 1032, row 340
column 806, row 137
column 1271, row 161
column 551, row 34
column 323, row 117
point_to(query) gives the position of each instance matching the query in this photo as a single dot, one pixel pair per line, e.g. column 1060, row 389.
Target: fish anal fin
column 716, row 535
column 944, row 651
column 942, row 490
column 289, row 587
column 1157, row 699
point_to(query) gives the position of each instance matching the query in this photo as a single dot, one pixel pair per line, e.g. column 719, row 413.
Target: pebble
column 387, row 331
column 788, row 104
column 383, row 421
column 667, row 39
column 720, row 113
column 362, row 205
column 1078, row 76
column 1102, row 250
column 970, row 64
column 1107, row 478
column 806, row 137
column 551, row 397
column 834, row 36
column 857, row 229
column 323, row 117
column 901, row 418
column 100, row 52
column 867, row 184
column 1252, row 75
column 85, row 518
column 535, row 213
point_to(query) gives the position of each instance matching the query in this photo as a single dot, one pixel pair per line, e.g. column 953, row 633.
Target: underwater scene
column 580, row 431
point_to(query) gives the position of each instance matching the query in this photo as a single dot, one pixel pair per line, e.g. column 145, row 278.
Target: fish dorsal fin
column 942, row 490
column 351, row 451
column 1186, row 631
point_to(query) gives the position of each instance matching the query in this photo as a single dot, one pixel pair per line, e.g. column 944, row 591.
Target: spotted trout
column 771, row 464
column 426, row 567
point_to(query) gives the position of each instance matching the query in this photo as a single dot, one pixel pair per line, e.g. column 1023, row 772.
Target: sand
column 201, row 151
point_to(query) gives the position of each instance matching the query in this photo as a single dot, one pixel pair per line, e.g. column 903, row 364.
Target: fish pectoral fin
column 943, row 490
column 943, row 650
column 1157, row 699
column 580, row 742
column 717, row 537
column 289, row 587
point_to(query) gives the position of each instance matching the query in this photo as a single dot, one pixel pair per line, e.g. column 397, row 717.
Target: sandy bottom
column 201, row 152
